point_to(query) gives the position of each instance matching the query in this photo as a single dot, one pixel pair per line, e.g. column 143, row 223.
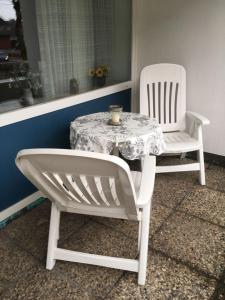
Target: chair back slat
column 163, row 95
column 165, row 102
column 59, row 184
column 88, row 185
column 83, row 182
column 71, row 182
column 99, row 188
column 112, row 186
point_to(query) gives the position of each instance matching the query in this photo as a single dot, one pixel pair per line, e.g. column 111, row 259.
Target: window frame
column 29, row 112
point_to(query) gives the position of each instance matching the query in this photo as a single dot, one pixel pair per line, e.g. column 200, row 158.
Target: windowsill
column 15, row 104
column 24, row 113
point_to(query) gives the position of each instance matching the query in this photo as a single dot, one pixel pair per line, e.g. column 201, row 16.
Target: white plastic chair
column 163, row 96
column 92, row 184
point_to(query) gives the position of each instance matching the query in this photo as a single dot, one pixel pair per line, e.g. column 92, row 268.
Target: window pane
column 64, row 47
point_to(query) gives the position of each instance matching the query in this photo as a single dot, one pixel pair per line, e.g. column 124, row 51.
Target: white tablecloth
column 137, row 136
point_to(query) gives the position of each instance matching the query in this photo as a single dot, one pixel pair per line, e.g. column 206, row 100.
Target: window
column 54, row 48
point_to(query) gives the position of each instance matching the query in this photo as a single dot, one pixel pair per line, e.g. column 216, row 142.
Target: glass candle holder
column 116, row 111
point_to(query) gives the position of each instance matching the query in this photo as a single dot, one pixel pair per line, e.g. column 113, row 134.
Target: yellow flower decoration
column 92, row 72
column 99, row 72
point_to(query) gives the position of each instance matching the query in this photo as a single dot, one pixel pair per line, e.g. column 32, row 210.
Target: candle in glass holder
column 116, row 111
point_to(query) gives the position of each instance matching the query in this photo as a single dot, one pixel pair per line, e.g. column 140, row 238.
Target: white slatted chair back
column 81, row 182
column 163, row 95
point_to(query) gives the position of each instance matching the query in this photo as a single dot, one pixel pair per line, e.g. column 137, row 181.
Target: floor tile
column 166, row 279
column 45, row 285
column 205, row 203
column 30, row 231
column 97, row 281
column 130, row 228
column 169, row 190
column 186, row 248
column 220, row 292
column 97, row 239
column 158, row 215
column 194, row 241
column 215, row 177
column 14, row 262
column 100, row 239
column 70, row 223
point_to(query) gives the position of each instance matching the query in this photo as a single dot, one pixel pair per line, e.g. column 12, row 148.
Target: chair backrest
column 163, row 95
column 81, row 182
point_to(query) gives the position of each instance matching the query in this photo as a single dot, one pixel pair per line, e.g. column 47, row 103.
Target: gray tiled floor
column 186, row 248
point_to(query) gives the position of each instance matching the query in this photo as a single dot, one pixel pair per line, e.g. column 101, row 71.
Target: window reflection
column 54, row 48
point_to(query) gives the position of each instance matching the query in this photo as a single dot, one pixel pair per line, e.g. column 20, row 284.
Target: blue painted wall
column 47, row 131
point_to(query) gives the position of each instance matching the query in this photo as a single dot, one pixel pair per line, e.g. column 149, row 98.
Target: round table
column 136, row 137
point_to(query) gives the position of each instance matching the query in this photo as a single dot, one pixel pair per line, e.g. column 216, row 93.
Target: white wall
column 191, row 33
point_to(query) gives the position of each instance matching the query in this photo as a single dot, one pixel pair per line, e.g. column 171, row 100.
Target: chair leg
column 143, row 253
column 53, row 236
column 202, row 167
column 183, row 155
column 139, row 235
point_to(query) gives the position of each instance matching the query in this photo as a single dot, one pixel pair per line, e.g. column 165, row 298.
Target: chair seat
column 180, row 141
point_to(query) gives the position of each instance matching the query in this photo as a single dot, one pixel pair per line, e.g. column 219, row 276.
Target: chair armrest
column 147, row 181
column 201, row 120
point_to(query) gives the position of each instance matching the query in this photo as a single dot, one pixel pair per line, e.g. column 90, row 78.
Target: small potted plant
column 27, row 81
column 99, row 75
column 31, row 87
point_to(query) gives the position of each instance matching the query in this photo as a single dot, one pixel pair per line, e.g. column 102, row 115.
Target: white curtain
column 67, row 45
column 103, row 32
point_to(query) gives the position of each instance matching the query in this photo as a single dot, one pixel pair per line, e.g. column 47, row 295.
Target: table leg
column 115, row 151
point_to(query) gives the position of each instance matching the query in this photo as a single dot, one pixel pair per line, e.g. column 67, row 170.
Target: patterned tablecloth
column 137, row 136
